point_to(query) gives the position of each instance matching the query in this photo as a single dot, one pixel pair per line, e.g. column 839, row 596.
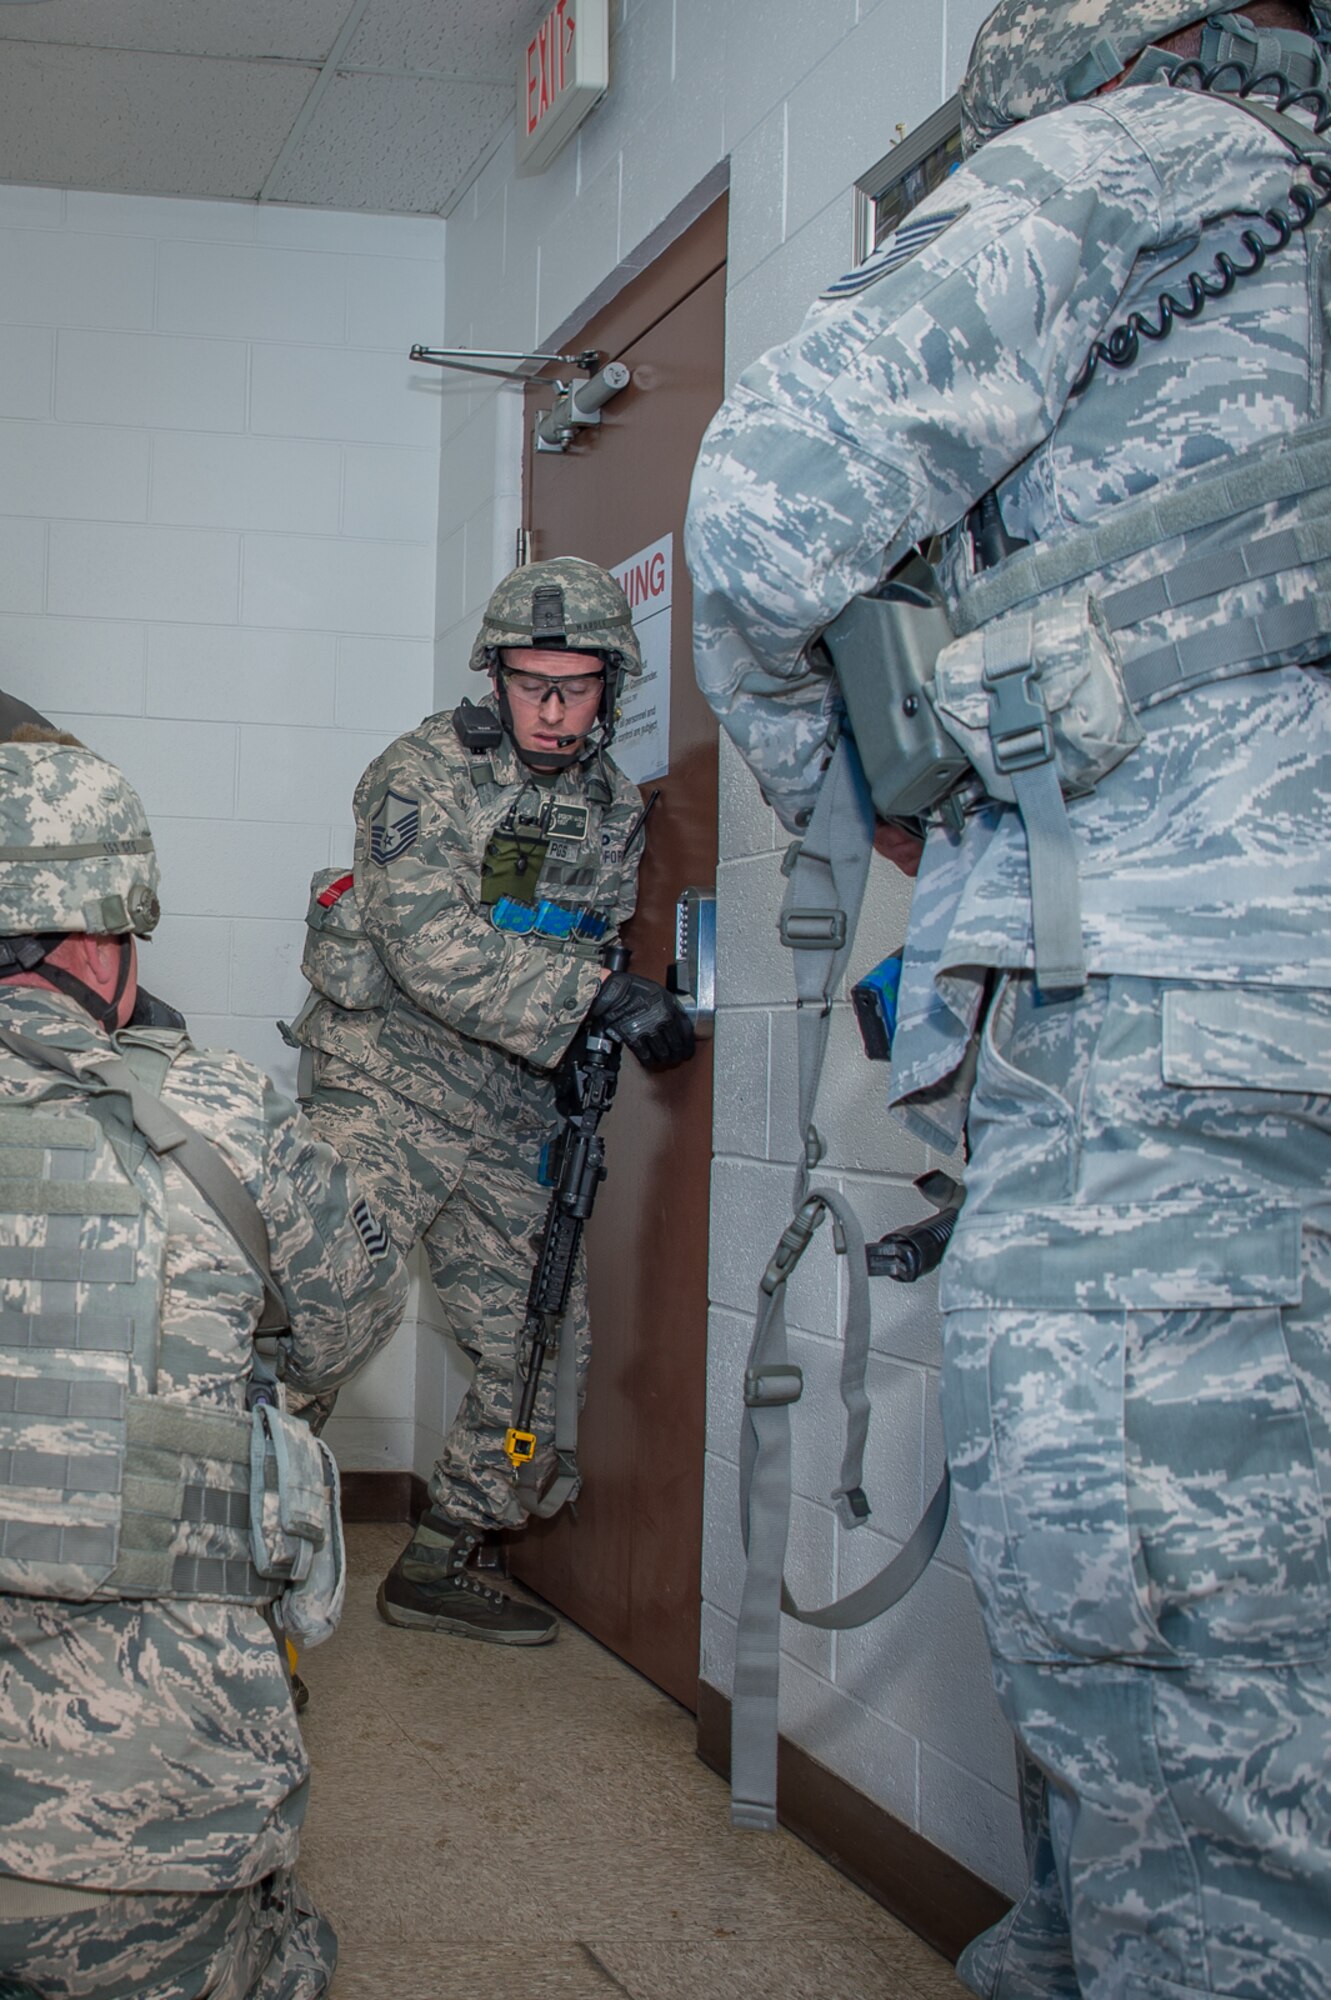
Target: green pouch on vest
column 1075, row 686
column 512, row 866
column 340, row 961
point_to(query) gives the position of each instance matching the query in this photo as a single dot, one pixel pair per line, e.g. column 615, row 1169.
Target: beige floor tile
column 564, row 1972
column 504, row 1807
column 793, row 1969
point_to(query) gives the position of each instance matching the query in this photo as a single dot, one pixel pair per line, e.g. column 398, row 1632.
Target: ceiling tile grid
column 241, row 102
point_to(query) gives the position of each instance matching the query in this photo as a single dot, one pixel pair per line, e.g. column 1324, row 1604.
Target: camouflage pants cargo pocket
column 1137, row 1406
column 1135, row 1387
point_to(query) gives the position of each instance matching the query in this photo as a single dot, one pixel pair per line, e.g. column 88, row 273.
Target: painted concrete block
column 752, row 964
column 396, row 302
column 976, row 1821
column 170, row 217
column 847, row 1739
column 188, row 575
column 844, row 116
column 757, row 194
column 23, row 560
column 769, row 49
column 185, row 770
column 383, row 684
column 739, row 1114
column 149, row 380
column 750, row 1208
column 80, row 666
column 301, row 775
column 265, row 967
column 32, row 207
column 241, row 868
column 388, row 495
column 338, row 585
column 245, row 482
column 187, row 962
column 227, row 674
column 925, row 1664
column 332, row 393
column 341, row 231
column 748, row 824
column 27, row 370
column 250, row 292
column 63, row 278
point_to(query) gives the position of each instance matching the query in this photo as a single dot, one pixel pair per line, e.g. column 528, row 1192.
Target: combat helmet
column 1031, row 56
column 76, row 854
column 567, row 604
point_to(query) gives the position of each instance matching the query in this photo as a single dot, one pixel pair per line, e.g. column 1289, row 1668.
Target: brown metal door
column 628, row 1569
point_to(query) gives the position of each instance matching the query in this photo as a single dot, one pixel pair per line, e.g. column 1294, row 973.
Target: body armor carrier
column 1030, row 690
column 108, row 1490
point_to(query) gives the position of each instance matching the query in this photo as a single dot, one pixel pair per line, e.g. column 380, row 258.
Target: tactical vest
column 108, row 1490
column 1061, row 647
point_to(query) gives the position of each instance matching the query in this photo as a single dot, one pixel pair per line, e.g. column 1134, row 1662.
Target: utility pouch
column 295, row 1522
column 1059, row 697
column 340, row 961
column 883, row 649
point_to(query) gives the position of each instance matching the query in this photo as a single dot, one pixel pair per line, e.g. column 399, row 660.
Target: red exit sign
column 563, row 71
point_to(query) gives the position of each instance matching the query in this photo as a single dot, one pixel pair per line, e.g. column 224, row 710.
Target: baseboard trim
column 941, row 1901
column 383, row 1496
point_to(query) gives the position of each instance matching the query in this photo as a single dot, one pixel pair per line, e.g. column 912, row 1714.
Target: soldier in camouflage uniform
column 154, row 1780
column 496, row 858
column 1137, row 1354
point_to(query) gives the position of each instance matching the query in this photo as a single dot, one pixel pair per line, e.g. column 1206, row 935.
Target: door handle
column 692, row 977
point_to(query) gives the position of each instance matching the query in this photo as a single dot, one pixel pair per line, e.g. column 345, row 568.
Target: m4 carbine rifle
column 585, row 1090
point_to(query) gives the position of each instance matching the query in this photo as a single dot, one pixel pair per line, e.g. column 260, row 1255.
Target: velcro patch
column 372, row 1233
column 914, row 235
column 394, row 825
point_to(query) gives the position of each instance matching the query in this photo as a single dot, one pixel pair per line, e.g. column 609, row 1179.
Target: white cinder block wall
column 218, row 492
column 798, row 102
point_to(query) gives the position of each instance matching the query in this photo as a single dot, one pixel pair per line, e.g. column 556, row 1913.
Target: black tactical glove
column 649, row 1021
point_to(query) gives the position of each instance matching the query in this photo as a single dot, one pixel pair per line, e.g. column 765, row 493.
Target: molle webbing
column 1297, row 468
column 186, row 1477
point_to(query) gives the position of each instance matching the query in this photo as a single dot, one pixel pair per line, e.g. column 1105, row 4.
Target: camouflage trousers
column 1137, row 1407
column 267, row 1942
column 472, row 1195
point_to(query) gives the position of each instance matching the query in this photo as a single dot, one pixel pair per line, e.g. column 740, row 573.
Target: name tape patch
column 914, row 235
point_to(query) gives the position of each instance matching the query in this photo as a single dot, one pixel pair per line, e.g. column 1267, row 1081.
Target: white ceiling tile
column 301, row 29
column 400, row 147
column 445, row 37
column 144, row 124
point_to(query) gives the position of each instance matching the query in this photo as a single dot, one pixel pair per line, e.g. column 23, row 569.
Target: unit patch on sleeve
column 372, row 1232
column 913, row 236
column 394, row 825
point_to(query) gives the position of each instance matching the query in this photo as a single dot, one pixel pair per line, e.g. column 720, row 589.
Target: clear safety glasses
column 533, row 689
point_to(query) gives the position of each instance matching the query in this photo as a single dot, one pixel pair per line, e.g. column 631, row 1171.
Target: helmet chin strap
column 103, row 1011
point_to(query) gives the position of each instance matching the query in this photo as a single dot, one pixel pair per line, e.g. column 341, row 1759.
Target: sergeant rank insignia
column 394, row 825
column 913, row 236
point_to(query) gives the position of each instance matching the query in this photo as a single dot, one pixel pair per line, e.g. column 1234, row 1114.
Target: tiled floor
column 498, row 1824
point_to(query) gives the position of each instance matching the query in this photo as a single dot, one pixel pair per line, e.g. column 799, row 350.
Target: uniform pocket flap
column 1139, row 1256
column 1241, row 1037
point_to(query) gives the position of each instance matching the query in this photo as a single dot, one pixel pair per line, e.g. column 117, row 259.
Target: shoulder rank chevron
column 914, row 235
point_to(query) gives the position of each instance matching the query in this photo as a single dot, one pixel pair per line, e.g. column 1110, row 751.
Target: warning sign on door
column 642, row 741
